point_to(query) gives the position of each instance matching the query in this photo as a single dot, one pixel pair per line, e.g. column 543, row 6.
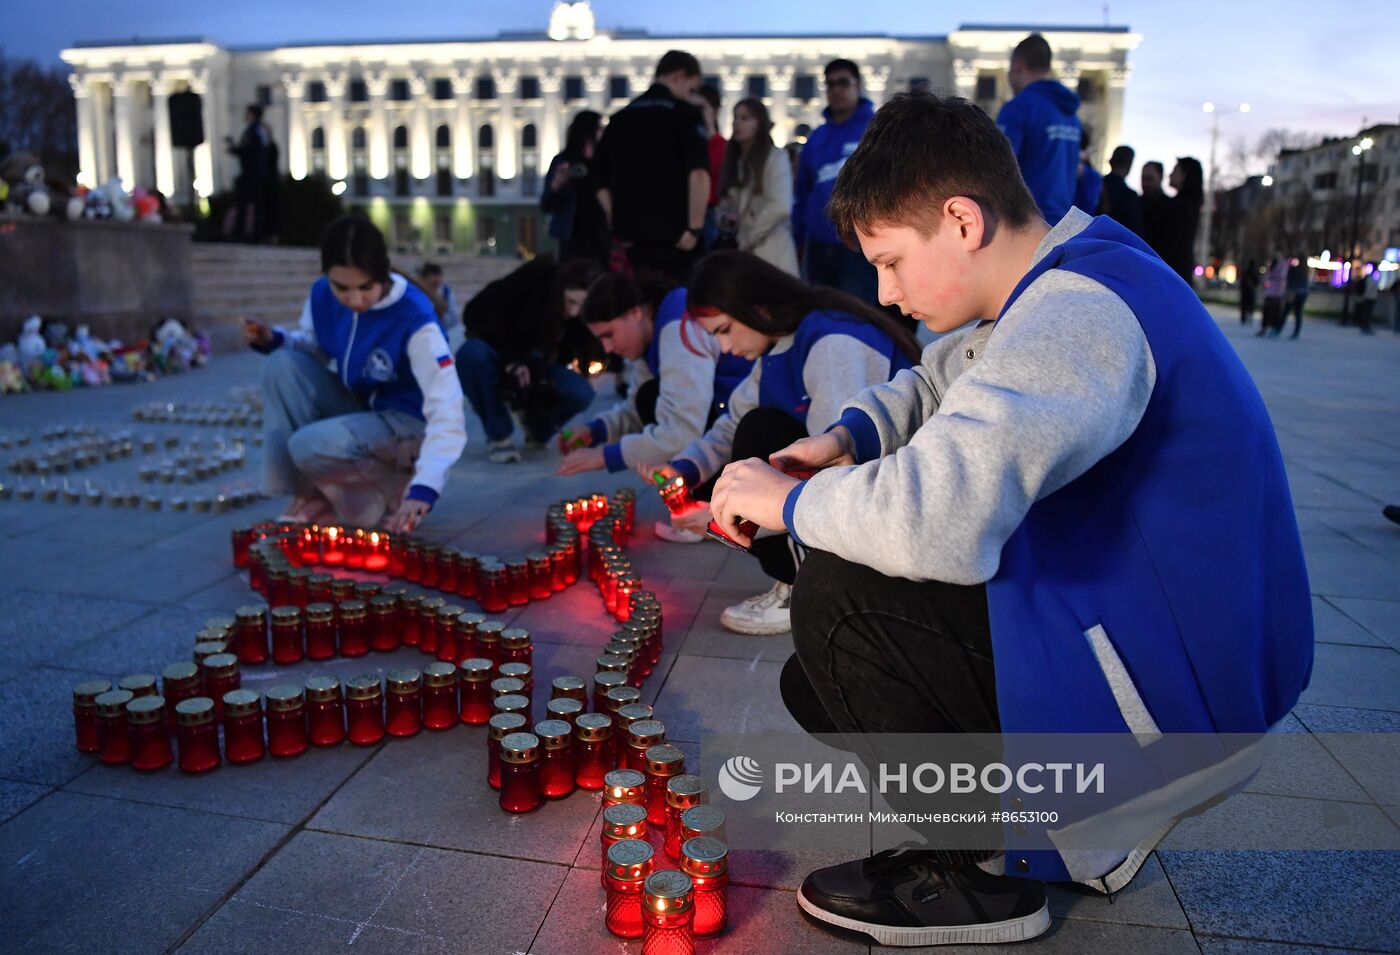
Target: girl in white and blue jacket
column 362, row 412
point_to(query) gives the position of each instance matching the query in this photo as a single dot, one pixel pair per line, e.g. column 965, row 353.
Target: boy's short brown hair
column 920, row 150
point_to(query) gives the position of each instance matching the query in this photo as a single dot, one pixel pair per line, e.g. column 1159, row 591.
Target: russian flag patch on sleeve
column 444, row 361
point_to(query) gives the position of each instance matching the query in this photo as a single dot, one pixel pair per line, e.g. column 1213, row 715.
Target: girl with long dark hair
column 570, row 195
column 814, row 349
column 362, row 413
column 1183, row 216
column 755, row 187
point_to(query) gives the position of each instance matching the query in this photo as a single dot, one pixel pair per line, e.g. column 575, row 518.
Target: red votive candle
column 410, row 606
column 413, row 561
column 569, row 687
column 325, row 711
column 428, row 609
column 520, row 773
column 682, row 792
column 355, row 540
column 475, row 676
column 197, row 734
column 138, row 685
column 491, row 588
column 179, row 681
column 397, row 557
column 663, row 762
column 564, row 708
column 318, row 588
column 629, row 864
column 702, row 820
column 241, row 539
column 333, row 546
column 320, row 631
column 221, row 675
column 518, row 582
column 354, row 628
column 250, row 634
column 602, row 683
column 625, row 786
column 445, row 624
column 640, row 736
column 243, row 726
column 516, row 646
column 488, row 640
column 298, row 587
column 114, row 742
column 364, row 710
column 706, row 860
column 429, row 560
column 511, row 703
column 593, row 750
column 621, row 821
column 288, row 642
column 343, row 589
column 540, row 575
column 376, row 551
column 286, row 720
column 558, row 567
column 500, row 726
column 522, row 672
column 150, row 738
column 85, row 726
column 556, row 758
column 447, row 569
column 507, row 686
column 384, row 623
column 405, row 704
column 668, row 910
column 465, row 629
column 440, row 695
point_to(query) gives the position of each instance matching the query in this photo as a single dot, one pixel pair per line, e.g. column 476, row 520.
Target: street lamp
column 1203, row 237
column 1354, row 247
column 1266, row 181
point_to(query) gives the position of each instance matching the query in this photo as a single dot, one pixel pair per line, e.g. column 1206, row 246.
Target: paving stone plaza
column 400, row 847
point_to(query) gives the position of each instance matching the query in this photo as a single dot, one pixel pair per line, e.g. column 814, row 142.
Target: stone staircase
column 270, row 282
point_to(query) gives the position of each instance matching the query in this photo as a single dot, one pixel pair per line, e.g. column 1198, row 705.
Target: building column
column 733, row 84
column 595, row 82
column 463, row 133
column 551, row 116
column 88, row 164
column 204, row 179
column 1113, row 107
column 294, row 84
column 965, row 78
column 507, row 135
column 165, row 153
column 121, row 118
column 377, row 84
column 420, row 137
column 337, row 150
column 876, row 82
column 779, row 88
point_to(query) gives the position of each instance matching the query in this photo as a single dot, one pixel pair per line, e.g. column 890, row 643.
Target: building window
column 573, row 88
column 357, row 138
column 986, row 87
column 486, row 138
column 919, row 84
column 359, row 177
column 398, row 91
column 401, row 177
column 712, row 81
column 1325, row 180
column 486, row 162
column 618, row 87
column 802, row 132
column 442, row 229
column 263, row 95
column 442, row 89
column 359, row 92
column 403, row 228
column 316, row 92
column 400, row 137
column 486, row 234
column 804, row 87
column 530, row 160
column 443, row 137
column 529, row 87
column 1088, row 90
column 485, row 87
column 444, row 175
column 756, row 87
column 318, row 138
column 527, row 233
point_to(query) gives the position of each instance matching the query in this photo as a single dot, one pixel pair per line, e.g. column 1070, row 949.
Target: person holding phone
column 362, row 413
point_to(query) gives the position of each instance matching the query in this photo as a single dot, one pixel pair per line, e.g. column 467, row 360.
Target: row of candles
column 117, row 496
column 217, row 414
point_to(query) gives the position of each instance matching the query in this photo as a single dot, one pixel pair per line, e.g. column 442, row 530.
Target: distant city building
column 445, row 141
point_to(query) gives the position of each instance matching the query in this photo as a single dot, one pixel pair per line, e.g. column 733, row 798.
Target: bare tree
column 38, row 115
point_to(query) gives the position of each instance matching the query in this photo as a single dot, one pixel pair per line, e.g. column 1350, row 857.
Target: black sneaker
column 1392, row 512
column 908, row 898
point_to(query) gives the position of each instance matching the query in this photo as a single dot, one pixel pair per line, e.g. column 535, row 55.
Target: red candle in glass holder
column 405, row 704
column 242, row 539
column 668, row 911
column 320, row 631
column 114, row 742
column 642, row 735
column 558, row 567
column 466, row 574
column 364, row 710
column 139, row 684
column 702, row 820
column 518, row 582
column 564, row 708
column 85, row 725
column 569, row 687
column 221, row 675
column 625, row 786
column 178, row 681
column 250, row 634
column 556, row 758
column 428, row 609
column 602, row 683
column 593, row 750
column 475, row 675
column 440, row 708
column 150, row 737
column 491, row 590
column 286, row 721
column 510, row 702
column 353, row 625
column 445, row 623
column 288, row 642
column 627, row 585
column 333, row 546
column 356, row 544
column 367, row 590
column 500, row 726
column 243, row 727
column 343, row 589
column 384, row 623
column 298, row 587
column 516, row 646
column 629, row 864
column 398, row 559
column 465, row 628
column 488, row 640
column 413, row 561
column 682, row 792
column 278, row 591
column 541, row 577
column 706, row 860
column 377, row 551
column 410, row 608
column 621, row 821
column 197, row 734
column 522, row 672
column 318, row 588
column 325, row 711
column 663, row 762
column 428, row 561
column 520, row 773
column 676, row 496
column 447, row 569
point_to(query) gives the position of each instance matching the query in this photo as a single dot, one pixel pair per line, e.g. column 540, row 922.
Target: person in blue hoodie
column 362, row 413
column 825, row 258
column 1042, row 122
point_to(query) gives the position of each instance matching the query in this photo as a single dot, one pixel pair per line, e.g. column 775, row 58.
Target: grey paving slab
column 1265, row 823
column 1074, row 936
column 1235, row 946
column 16, row 797
column 107, row 875
column 431, row 790
column 1362, row 677
column 1331, row 625
column 1147, row 900
column 163, row 636
column 44, row 627
column 36, row 735
column 1372, row 759
column 707, row 638
column 1304, row 768
column 710, row 695
column 1380, row 617
column 1343, row 568
column 326, row 892
column 1339, row 899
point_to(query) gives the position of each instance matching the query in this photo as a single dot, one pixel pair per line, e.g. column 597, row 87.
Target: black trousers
column 762, row 432
column 884, row 655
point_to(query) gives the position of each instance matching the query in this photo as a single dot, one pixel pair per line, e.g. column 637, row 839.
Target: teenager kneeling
column 1041, row 528
column 814, row 349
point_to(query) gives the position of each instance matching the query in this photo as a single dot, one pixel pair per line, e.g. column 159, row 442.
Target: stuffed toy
column 146, row 205
column 31, row 343
column 27, row 190
column 11, row 376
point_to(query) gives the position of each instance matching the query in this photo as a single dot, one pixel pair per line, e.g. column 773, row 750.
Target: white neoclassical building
column 446, row 141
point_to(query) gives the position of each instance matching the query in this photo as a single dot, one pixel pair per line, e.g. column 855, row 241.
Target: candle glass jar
column 488, row 640
column 518, row 582
column 593, row 750
column 522, row 672
column 569, row 687
column 475, row 676
column 641, row 735
column 384, row 625
column 500, row 726
column 556, row 758
column 405, row 703
column 491, row 588
column 288, row 642
column 466, row 574
column 564, row 708
column 602, row 683
column 409, row 611
column 706, row 860
column 428, row 557
column 440, row 695
column 445, row 623
column 376, row 549
column 668, row 911
column 447, row 570
column 397, row 558
column 629, row 864
column 367, row 590
column 663, row 763
column 520, row 773
column 204, row 649
column 516, row 646
column 221, row 675
column 625, row 786
column 413, row 561
column 150, row 737
column 682, row 792
column 325, row 711
column 114, row 742
column 632, row 713
column 364, row 710
column 138, row 685
column 277, row 592
column 85, row 726
column 320, row 631
column 465, row 627
column 511, row 703
column 318, row 588
column 286, row 720
column 540, row 575
column 558, row 567
column 354, row 628
column 621, row 821
column 298, row 587
column 241, row 538
column 354, row 548
column 428, row 609
column 702, row 820
column 178, row 681
column 197, row 734
column 342, row 589
column 243, row 727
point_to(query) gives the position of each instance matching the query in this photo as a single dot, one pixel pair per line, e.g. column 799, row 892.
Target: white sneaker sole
column 898, row 936
column 751, row 629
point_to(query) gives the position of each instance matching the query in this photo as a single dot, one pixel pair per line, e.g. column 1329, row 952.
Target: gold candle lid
column 564, row 708
column 351, row 609
column 285, row 698
column 702, row 820
column 511, row 703
column 206, row 634
column 383, row 604
column 629, row 860
column 342, row 587
column 663, row 759
column 221, row 622
column 196, row 711
column 447, row 614
column 87, row 692
column 519, row 671
column 520, row 748
column 668, row 891
column 620, row 696
column 221, row 665
column 286, row 616
column 489, row 631
column 476, row 670
column 440, row 673
column 554, row 734
column 516, row 638
column 592, row 727
column 139, row 684
column 112, row 704
column 623, row 784
column 429, row 605
column 633, row 712
column 322, row 689
column 704, row 857
column 502, row 725
column 537, row 557
column 609, row 663
column 368, row 588
column 686, row 790
column 208, row 648
column 603, row 682
column 366, row 686
column 241, row 703
column 518, row 566
column 644, row 733
column 625, row 820
column 320, row 579
column 569, row 686
column 469, row 621
column 180, row 675
column 464, row 558
column 405, row 681
column 320, row 612
column 145, row 710
column 503, row 686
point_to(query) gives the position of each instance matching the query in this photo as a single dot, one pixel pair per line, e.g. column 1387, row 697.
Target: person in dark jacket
column 1120, row 202
column 1088, row 187
column 256, row 168
column 1042, row 122
column 570, row 196
column 1183, row 217
column 512, row 357
column 1296, row 292
column 1154, row 207
column 825, row 258
column 1249, row 291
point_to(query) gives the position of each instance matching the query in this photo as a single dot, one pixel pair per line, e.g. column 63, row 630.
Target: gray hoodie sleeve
column 683, row 404
column 1064, row 380
column 708, row 454
column 622, row 418
column 838, row 368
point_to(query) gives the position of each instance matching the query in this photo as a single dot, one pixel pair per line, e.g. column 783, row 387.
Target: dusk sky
column 1298, row 65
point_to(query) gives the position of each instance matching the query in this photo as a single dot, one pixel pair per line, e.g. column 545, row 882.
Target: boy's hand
column 584, row 459
column 750, row 490
column 833, row 449
column 257, row 333
column 694, row 520
column 648, row 472
column 409, row 515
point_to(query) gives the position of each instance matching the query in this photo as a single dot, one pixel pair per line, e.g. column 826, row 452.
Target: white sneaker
column 503, row 452
column 676, row 535
column 763, row 615
column 312, row 509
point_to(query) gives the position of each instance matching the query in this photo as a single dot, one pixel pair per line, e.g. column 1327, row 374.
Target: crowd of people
column 1035, row 524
